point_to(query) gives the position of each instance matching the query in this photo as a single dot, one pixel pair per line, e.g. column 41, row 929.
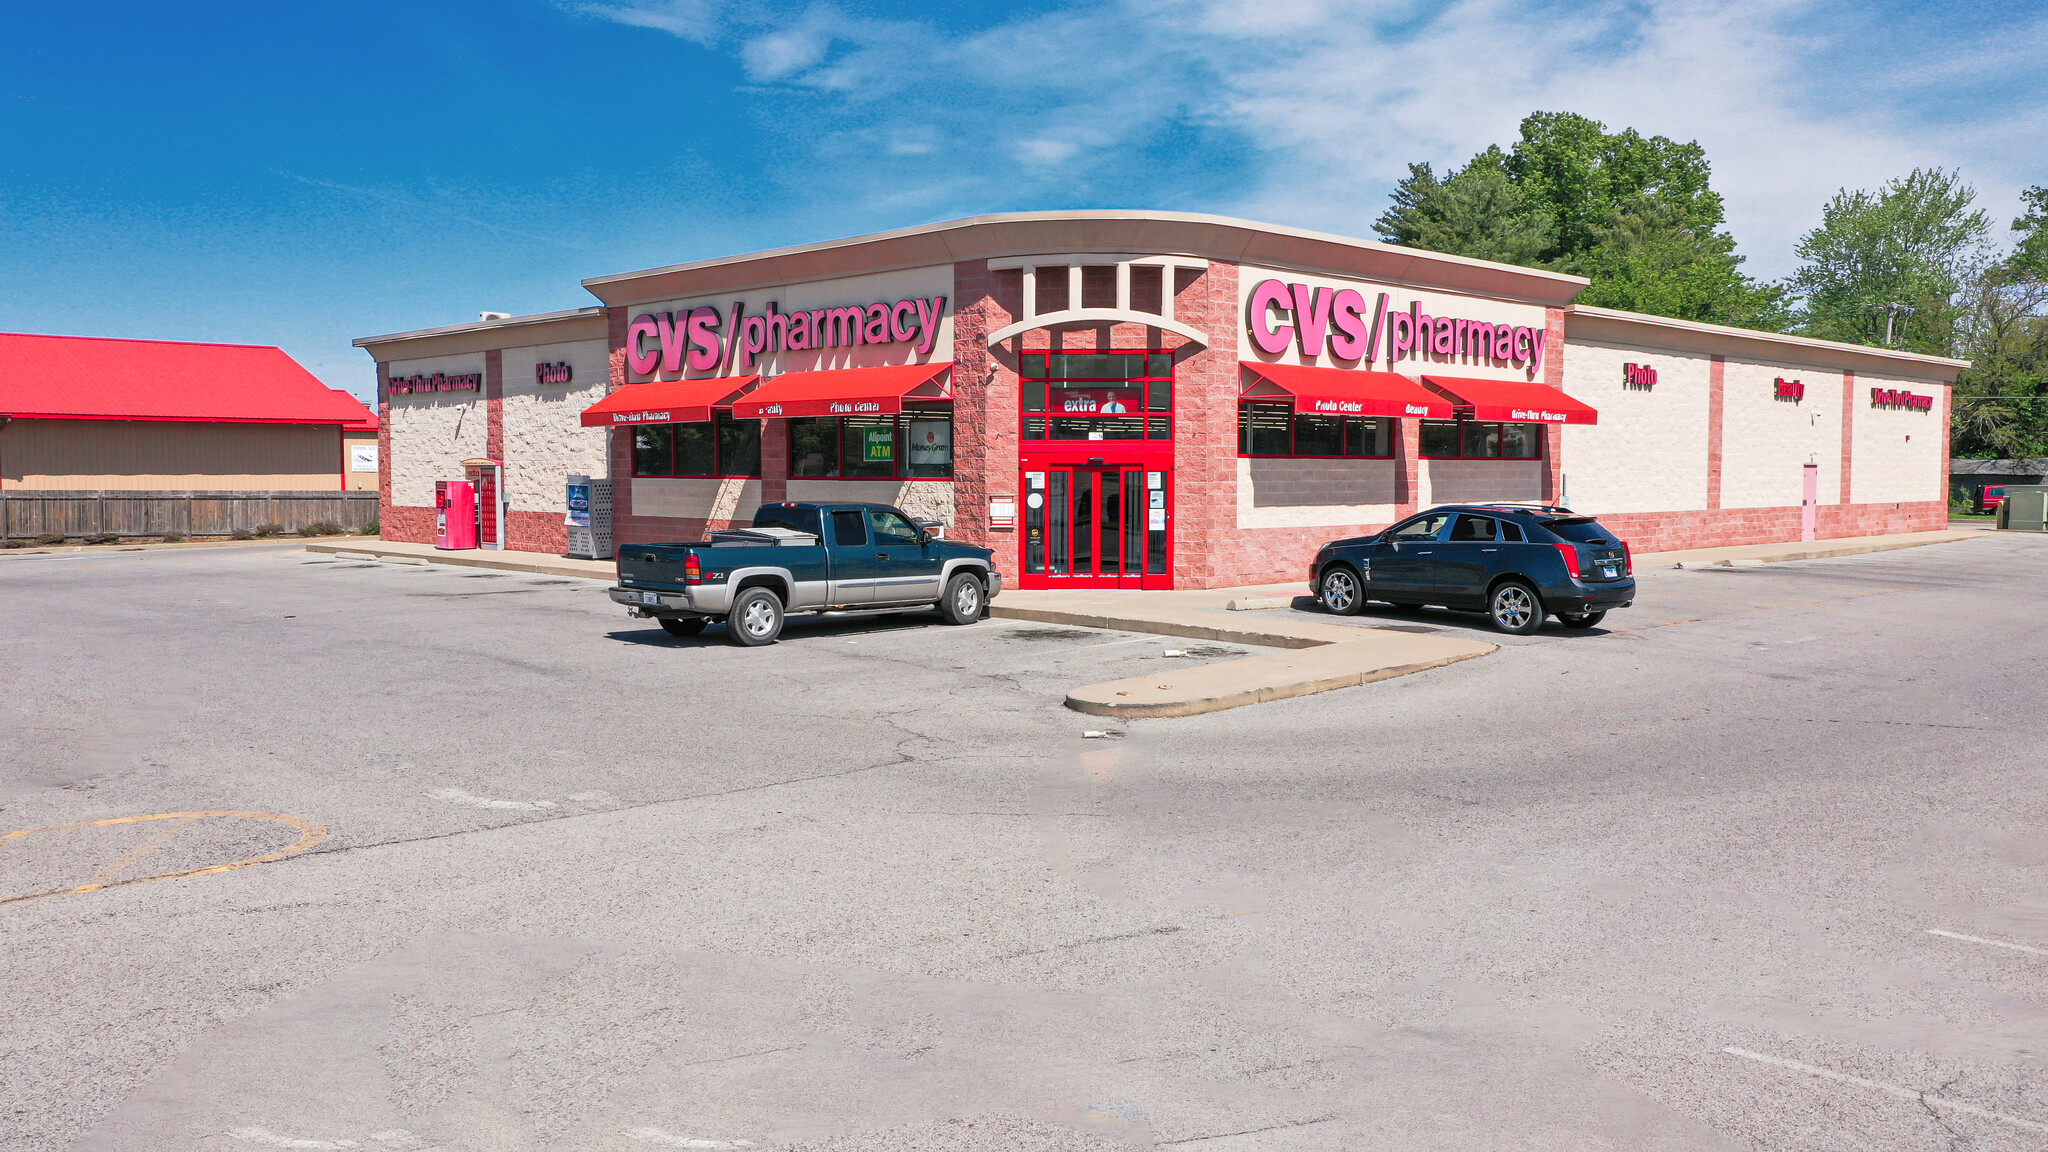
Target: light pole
column 1891, row 312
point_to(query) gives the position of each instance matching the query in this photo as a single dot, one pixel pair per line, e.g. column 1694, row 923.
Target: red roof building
column 85, row 413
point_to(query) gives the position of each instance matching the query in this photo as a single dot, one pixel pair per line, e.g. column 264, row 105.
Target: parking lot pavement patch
column 112, row 874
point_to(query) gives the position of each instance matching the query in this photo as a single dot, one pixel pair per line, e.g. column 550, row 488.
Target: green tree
column 1910, row 245
column 1635, row 214
column 2001, row 400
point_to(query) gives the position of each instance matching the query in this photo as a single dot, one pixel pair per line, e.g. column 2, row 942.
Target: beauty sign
column 1343, row 323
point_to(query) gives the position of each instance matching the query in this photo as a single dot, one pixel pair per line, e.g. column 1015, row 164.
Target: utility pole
column 1891, row 312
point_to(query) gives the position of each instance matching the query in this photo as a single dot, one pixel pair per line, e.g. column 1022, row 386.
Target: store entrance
column 1096, row 525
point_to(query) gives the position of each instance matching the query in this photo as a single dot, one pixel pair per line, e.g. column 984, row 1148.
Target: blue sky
column 304, row 174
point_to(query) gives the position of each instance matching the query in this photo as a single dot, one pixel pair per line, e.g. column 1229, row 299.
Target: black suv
column 1515, row 562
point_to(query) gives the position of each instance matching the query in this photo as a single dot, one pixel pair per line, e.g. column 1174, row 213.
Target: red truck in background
column 1990, row 497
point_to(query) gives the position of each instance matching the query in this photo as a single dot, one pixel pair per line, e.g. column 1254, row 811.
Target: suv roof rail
column 1526, row 506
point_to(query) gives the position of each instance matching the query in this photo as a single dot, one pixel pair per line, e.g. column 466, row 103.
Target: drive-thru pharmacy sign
column 1894, row 398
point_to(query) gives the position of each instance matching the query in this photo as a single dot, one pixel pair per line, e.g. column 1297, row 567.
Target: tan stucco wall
column 432, row 433
column 545, row 439
column 159, row 455
column 1885, row 465
column 1766, row 443
column 1649, row 451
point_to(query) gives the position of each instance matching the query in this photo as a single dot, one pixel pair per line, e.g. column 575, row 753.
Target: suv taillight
column 1628, row 560
column 1570, row 552
column 693, row 569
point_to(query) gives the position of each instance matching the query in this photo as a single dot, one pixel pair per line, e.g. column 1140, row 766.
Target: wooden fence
column 26, row 514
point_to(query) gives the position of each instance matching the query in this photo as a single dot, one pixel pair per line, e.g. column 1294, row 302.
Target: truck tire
column 963, row 599
column 682, row 625
column 755, row 619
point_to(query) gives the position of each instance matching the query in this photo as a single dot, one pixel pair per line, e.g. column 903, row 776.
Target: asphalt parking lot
column 471, row 861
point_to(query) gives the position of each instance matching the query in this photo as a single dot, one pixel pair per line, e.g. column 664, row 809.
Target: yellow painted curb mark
column 310, row 836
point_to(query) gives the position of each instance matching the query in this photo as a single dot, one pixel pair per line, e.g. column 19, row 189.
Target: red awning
column 666, row 401
column 1513, row 400
column 845, row 391
column 1344, row 391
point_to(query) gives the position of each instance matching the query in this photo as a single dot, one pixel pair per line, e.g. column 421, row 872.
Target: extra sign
column 1895, row 398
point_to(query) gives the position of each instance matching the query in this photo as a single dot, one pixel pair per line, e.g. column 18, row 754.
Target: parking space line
column 138, row 852
column 1993, row 943
column 1922, row 1098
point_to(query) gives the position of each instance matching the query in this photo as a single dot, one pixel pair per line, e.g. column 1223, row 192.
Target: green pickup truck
column 805, row 558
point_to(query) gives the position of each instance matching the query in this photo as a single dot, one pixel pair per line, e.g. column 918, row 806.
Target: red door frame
column 1042, row 459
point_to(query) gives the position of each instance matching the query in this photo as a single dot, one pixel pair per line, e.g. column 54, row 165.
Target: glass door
column 1095, row 526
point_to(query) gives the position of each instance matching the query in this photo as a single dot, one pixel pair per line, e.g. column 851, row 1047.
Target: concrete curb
column 538, row 567
column 1091, row 699
column 1155, row 627
column 1816, row 554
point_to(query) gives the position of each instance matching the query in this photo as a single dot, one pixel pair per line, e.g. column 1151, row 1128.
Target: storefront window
column 1277, row 430
column 1480, row 440
column 916, row 444
column 719, row 447
column 1096, row 395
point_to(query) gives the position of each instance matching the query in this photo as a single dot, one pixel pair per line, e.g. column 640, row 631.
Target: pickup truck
column 805, row 558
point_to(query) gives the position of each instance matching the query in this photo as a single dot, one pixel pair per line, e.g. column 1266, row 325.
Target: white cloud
column 1315, row 107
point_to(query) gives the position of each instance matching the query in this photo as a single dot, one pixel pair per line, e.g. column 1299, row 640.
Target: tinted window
column 788, row 516
column 1580, row 531
column 1439, row 438
column 1473, row 528
column 1425, row 528
column 693, row 449
column 892, row 529
column 849, row 528
column 653, row 450
column 1511, row 532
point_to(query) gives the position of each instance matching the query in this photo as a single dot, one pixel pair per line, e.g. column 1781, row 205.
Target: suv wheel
column 1340, row 591
column 1580, row 619
column 961, row 603
column 1515, row 608
column 755, row 619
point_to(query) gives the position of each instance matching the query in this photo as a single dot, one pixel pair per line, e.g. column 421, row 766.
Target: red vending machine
column 454, row 514
column 489, row 478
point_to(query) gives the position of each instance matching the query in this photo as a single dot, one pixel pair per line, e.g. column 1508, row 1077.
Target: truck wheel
column 682, row 625
column 755, row 619
column 962, row 601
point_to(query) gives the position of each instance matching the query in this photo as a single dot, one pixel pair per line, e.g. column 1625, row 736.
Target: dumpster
column 2025, row 508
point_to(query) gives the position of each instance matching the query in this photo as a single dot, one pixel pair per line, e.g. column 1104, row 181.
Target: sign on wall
column 706, row 341
column 553, row 373
column 1641, row 377
column 1340, row 319
column 362, row 457
column 438, row 382
column 1792, row 390
column 1895, row 398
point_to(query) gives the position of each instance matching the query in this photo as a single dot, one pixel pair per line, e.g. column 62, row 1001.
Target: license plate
column 1609, row 572
column 650, row 598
